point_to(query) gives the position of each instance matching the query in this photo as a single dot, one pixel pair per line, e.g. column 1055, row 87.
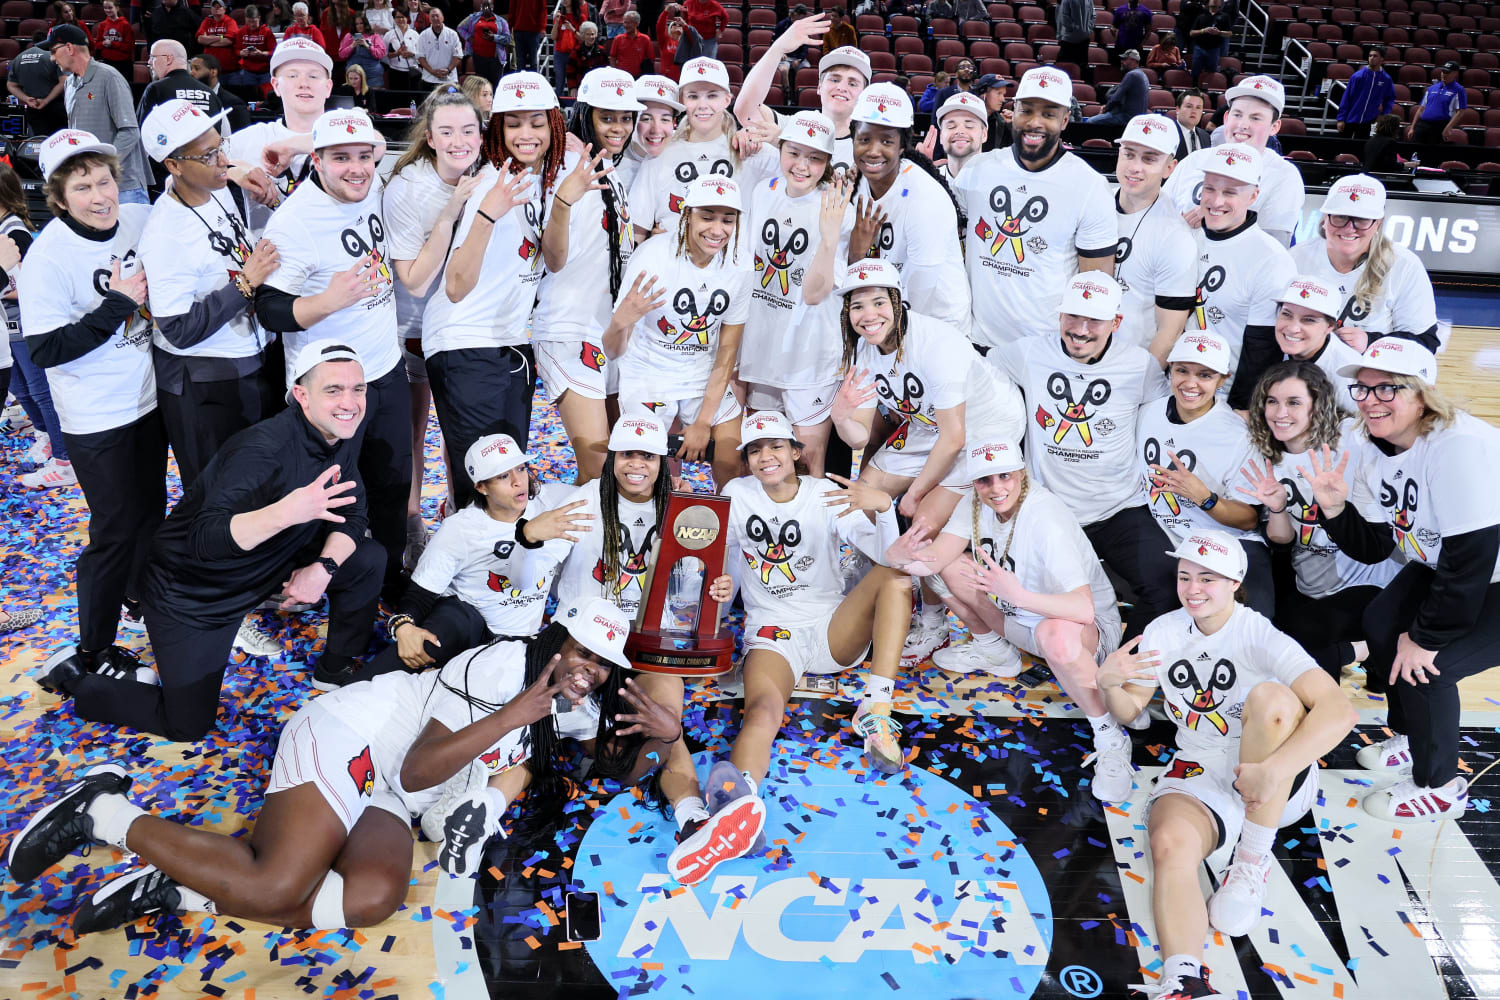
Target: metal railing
column 1256, row 22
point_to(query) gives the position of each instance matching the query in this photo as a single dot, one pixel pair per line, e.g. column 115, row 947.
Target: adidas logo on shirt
column 640, row 522
column 1202, row 656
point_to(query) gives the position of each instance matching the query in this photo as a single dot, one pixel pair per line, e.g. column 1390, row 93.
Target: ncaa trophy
column 676, row 628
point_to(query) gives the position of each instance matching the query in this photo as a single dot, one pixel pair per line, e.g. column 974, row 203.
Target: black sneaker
column 121, row 664
column 1189, row 988
column 64, row 826
column 60, row 670
column 125, row 899
column 466, row 831
column 331, row 680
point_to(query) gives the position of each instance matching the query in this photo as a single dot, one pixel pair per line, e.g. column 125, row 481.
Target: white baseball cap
column 1313, row 293
column 315, row 353
column 809, row 128
column 608, row 88
column 1215, row 551
column 1093, row 294
column 523, row 91
column 1047, row 82
column 172, row 125
column 846, row 55
column 767, row 425
column 344, row 126
column 1265, row 88
column 884, row 104
column 1234, row 160
column 703, row 70
column 59, row 147
column 713, row 191
column 599, row 627
column 992, row 458
column 493, row 455
column 1358, row 195
column 299, row 47
column 638, row 434
column 1153, row 132
column 963, row 101
column 871, row 273
column 1398, row 356
column 657, row 88
column 1202, row 348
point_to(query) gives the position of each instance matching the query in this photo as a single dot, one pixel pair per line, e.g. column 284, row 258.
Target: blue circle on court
column 868, row 882
column 1081, row 981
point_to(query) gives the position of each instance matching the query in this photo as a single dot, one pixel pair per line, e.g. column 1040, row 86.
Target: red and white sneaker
column 724, row 836
column 922, row 642
column 1234, row 909
column 40, row 450
column 1392, row 755
column 51, row 476
column 1408, row 802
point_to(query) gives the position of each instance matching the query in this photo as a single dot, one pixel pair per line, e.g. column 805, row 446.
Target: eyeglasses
column 1340, row 221
column 209, row 158
column 1385, row 391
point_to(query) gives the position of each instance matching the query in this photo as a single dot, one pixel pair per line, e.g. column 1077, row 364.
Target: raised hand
column 644, row 297
column 650, row 718
column 868, row 219
column 1265, row 489
column 856, row 495
column 1327, row 481
column 535, row 703
column 834, row 205
column 453, row 208
column 587, row 176
column 509, row 191
column 804, row 32
column 361, row 281
column 559, row 522
column 1128, row 666
column 855, row 391
column 318, row 500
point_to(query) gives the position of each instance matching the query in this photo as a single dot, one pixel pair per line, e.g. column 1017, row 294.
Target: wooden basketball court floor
column 985, row 870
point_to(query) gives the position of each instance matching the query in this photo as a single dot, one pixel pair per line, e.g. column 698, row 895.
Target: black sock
column 89, row 661
column 1346, row 652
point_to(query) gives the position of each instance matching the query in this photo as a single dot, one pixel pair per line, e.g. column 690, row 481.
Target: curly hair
column 852, row 339
column 1323, row 416
column 557, row 147
column 582, row 125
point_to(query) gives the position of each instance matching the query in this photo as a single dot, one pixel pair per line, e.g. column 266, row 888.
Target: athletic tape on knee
column 328, row 904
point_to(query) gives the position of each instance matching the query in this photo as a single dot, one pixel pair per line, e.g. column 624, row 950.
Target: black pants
column 385, row 466
column 1076, row 53
column 1133, row 545
column 54, row 117
column 457, row 625
column 191, row 660
column 478, row 392
column 488, row 67
column 123, row 473
column 1324, row 625
column 1429, row 132
column 207, row 414
column 1259, row 582
column 1428, row 713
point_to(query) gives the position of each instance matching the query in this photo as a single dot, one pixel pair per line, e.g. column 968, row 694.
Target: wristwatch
column 328, row 564
column 1213, row 499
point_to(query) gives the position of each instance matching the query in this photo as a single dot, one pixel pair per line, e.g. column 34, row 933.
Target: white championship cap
column 1092, row 294
column 1152, row 131
column 1215, row 551
column 870, row 273
column 1398, row 356
column 1202, row 348
column 523, row 91
column 599, row 627
column 315, row 353
column 703, row 70
column 963, row 101
column 299, row 47
column 344, row 126
column 809, row 128
column 1313, row 293
column 713, row 191
column 59, row 147
column 1234, row 160
column 1265, row 88
column 766, row 425
column 172, row 125
column 1358, row 195
column 883, row 104
column 1048, row 83
column 661, row 89
column 493, row 455
column 638, row 434
column 608, row 88
column 846, row 55
column 995, row 457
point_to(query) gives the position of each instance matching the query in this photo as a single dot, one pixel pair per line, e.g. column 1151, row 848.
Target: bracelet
column 485, row 216
column 394, row 622
column 1270, row 511
column 559, row 197
column 521, row 538
column 667, row 743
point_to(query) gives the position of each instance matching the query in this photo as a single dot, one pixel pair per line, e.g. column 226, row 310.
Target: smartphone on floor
column 581, row 912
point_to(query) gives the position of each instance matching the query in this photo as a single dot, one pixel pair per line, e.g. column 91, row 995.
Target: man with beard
column 205, row 69
column 1036, row 215
column 961, row 126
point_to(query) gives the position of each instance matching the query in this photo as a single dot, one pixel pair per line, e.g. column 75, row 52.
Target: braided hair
column 681, row 247
column 609, row 512
column 910, row 152
column 582, row 125
column 978, row 504
column 852, row 339
column 552, row 160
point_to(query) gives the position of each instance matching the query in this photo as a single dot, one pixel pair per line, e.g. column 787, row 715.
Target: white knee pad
column 328, row 904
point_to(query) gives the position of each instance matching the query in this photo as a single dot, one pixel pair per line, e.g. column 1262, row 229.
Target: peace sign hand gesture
column 650, row 718
column 644, row 297
column 1329, row 486
column 509, row 191
column 1265, row 489
column 318, row 500
column 535, row 703
column 559, row 522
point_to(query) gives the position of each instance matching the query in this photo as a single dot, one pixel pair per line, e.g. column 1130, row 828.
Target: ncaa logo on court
column 908, row 884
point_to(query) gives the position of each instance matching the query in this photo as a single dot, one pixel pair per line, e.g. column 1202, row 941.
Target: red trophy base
column 693, row 528
column 680, row 655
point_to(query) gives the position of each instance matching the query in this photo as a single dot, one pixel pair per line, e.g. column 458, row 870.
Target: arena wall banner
column 1455, row 238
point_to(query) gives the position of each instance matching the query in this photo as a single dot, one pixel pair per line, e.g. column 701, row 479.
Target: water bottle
column 413, row 107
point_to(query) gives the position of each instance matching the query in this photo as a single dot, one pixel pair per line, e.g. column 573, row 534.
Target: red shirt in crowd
column 230, row 29
column 528, row 15
column 311, row 31
column 708, row 17
column 114, row 40
column 628, row 51
column 262, row 38
column 483, row 42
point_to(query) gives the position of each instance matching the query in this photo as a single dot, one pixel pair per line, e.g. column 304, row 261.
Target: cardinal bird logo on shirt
column 1011, row 225
column 697, row 324
column 1183, row 769
column 909, row 403
column 362, row 772
column 897, row 440
column 497, row 760
column 1207, row 702
column 674, row 204
column 592, row 357
column 528, row 251
column 775, row 551
column 501, row 584
column 1303, row 512
column 775, row 258
column 772, row 632
column 1072, row 414
column 1213, row 280
column 634, row 562
column 1404, row 520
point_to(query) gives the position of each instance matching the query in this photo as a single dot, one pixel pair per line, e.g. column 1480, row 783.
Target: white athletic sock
column 879, row 690
column 497, row 800
column 1105, row 727
column 988, row 639
column 1181, row 965
column 689, row 809
column 754, row 785
column 932, row 615
column 112, row 815
column 191, row 899
column 1255, row 842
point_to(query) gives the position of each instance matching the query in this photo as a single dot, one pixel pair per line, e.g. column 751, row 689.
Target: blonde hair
column 977, row 505
column 1378, row 261
column 1439, row 408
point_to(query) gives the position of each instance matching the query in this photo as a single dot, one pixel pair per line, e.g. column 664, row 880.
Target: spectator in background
column 1380, row 156
column 1165, row 54
column 438, row 51
column 991, row 89
column 219, row 34
column 277, row 15
column 256, row 43
column 114, row 41
column 356, row 86
column 676, row 44
column 840, row 32
column 1127, row 98
column 797, row 13
column 175, row 20
column 416, row 14
column 401, row 54
column 939, row 9
column 1191, row 136
column 363, row 47
column 490, row 41
column 708, row 17
column 567, row 17
column 100, row 104
column 1440, row 106
column 1210, row 35
column 613, row 12
column 37, row 82
column 379, row 14
column 1132, row 22
column 929, row 101
column 173, row 82
column 479, row 92
column 205, row 69
column 669, row 13
column 62, row 12
column 337, row 23
column 1075, row 32
column 632, row 51
column 590, row 54
column 649, row 10
column 1187, row 19
column 1369, row 94
column 971, row 10
column 528, row 20
column 962, row 81
column 302, row 25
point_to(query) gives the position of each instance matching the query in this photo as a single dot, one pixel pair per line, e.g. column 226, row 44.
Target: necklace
column 236, row 248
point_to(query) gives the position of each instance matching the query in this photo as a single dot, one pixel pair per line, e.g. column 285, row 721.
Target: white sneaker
column 922, row 642
column 467, row 829
column 473, row 777
column 1408, row 802
column 1114, row 777
column 1234, row 908
column 256, row 641
column 998, row 659
column 132, row 620
column 51, row 476
column 40, row 451
column 1141, row 721
column 14, row 418
column 1392, row 756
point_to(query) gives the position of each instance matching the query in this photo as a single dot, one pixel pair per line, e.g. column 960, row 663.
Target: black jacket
column 178, row 84
column 196, row 569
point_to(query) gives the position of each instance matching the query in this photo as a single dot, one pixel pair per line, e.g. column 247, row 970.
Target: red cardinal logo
column 1044, row 420
column 502, row 585
column 592, row 357
column 349, row 128
column 897, row 441
column 529, row 251
column 1184, row 768
column 619, row 91
column 73, row 139
column 772, row 632
column 362, row 771
column 674, row 203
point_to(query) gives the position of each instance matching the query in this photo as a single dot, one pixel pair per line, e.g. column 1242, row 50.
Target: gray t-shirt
column 35, row 72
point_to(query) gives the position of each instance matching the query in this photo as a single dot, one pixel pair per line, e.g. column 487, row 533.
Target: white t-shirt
column 414, row 198
column 318, row 237
column 1205, row 679
column 1214, row 447
column 476, row 558
column 1243, row 275
column 1405, row 302
column 1044, row 546
column 661, row 183
column 583, row 571
column 1026, row 229
column 1156, row 257
column 189, row 253
column 785, row 556
column 575, row 303
column 497, row 309
column 1279, row 203
column 1442, row 485
column 114, row 384
column 439, row 51
column 787, row 342
column 672, row 349
column 246, row 145
column 394, row 39
column 1081, row 438
column 937, row 369
column 920, row 236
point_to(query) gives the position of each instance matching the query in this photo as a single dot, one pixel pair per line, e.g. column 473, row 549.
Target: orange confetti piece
column 1306, row 979
column 533, row 942
column 497, row 874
